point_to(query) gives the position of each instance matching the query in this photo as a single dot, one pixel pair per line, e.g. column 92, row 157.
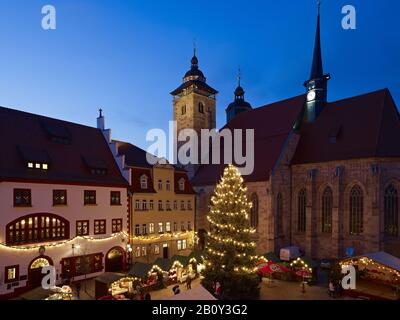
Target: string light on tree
column 230, row 253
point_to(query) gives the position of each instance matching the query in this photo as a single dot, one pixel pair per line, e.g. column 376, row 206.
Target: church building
column 327, row 173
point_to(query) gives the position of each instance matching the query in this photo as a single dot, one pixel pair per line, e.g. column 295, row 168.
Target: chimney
column 100, row 121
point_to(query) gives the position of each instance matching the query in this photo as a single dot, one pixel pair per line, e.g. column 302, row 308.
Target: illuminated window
column 116, row 225
column 37, row 228
column 37, row 165
column 184, row 245
column 82, row 228
column 160, row 227
column 179, row 244
column 156, row 249
column 151, row 227
column 45, row 166
column 168, row 227
column 30, row 165
column 137, row 252
column 99, row 226
column 11, row 274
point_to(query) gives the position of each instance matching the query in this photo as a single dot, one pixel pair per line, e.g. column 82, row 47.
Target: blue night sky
column 126, row 56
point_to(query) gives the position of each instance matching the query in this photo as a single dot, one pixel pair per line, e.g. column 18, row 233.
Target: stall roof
column 182, row 259
column 310, row 262
column 109, row 277
column 36, row 294
column 198, row 255
column 140, row 269
column 164, row 264
column 383, row 258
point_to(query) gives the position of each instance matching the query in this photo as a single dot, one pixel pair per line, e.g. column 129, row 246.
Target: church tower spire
column 239, row 105
column 317, row 85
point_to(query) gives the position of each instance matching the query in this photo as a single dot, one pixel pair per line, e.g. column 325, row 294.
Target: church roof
column 365, row 126
column 74, row 153
column 272, row 125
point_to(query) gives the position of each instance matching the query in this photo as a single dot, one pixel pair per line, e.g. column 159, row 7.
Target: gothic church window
column 326, row 208
column 301, row 211
column 356, row 211
column 391, row 212
column 254, row 211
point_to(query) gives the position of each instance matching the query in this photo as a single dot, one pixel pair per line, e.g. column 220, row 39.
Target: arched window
column 391, row 212
column 143, row 182
column 279, row 214
column 356, row 210
column 326, row 208
column 301, row 211
column 254, row 211
column 181, row 184
column 201, row 107
column 37, row 228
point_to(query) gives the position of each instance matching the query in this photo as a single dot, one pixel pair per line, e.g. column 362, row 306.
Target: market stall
column 183, row 267
column 196, row 261
column 305, row 269
column 103, row 283
column 378, row 275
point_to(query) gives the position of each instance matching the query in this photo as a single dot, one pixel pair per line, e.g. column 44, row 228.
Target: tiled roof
column 63, row 145
column 365, row 126
column 272, row 125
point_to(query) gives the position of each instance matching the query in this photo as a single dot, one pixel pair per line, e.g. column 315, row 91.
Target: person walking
column 189, row 283
column 331, row 289
column 78, row 290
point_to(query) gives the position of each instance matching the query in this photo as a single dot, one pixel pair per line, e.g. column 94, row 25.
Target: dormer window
column 96, row 165
column 143, row 182
column 38, row 166
column 57, row 133
column 182, row 184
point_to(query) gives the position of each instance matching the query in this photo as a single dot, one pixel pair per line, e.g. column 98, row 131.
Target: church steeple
column 239, row 105
column 317, row 85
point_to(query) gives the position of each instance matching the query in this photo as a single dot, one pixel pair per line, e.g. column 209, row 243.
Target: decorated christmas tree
column 229, row 252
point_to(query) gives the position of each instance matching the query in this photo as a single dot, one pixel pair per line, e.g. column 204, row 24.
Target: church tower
column 239, row 105
column 194, row 103
column 317, row 85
